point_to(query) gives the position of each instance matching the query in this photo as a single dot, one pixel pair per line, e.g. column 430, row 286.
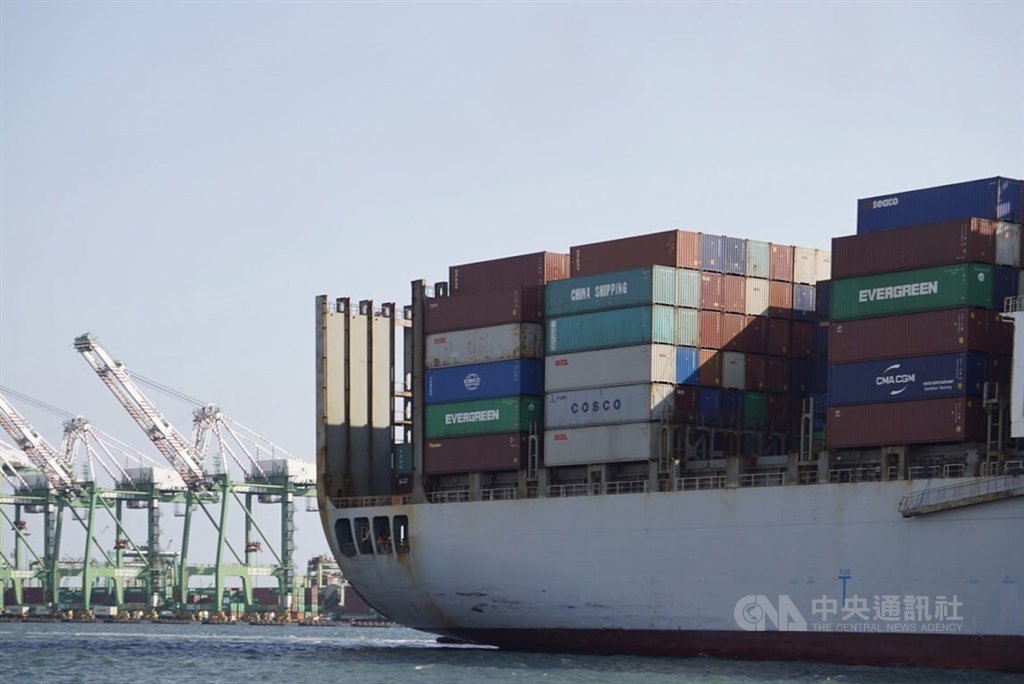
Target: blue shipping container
column 1004, row 285
column 804, row 304
column 820, row 385
column 989, row 198
column 687, row 366
column 736, row 256
column 712, row 253
column 801, row 376
column 731, row 408
column 709, row 404
column 822, row 295
column 906, row 379
column 484, row 381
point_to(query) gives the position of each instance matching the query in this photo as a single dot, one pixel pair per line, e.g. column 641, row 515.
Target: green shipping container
column 687, row 328
column 755, row 409
column 616, row 328
column 615, row 290
column 484, row 417
column 923, row 289
column 688, row 288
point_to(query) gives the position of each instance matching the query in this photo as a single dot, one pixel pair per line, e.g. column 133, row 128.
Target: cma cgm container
column 925, row 289
column 615, row 328
column 615, row 290
column 484, row 309
column 604, row 444
column 989, row 198
column 907, row 379
column 906, row 422
column 484, row 417
column 679, row 248
column 603, row 405
column 523, row 270
column 934, row 332
column 482, row 345
column 475, row 454
column 484, row 380
column 615, row 366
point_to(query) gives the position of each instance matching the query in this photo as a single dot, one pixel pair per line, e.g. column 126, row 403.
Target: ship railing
column 448, row 496
column 974, row 489
column 701, row 482
column 858, row 474
column 562, row 490
column 763, row 479
column 498, row 494
column 368, row 501
column 1014, row 468
column 627, row 487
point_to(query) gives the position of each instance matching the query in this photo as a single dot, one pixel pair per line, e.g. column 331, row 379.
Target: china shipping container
column 780, row 299
column 712, row 253
column 755, row 372
column 802, row 339
column 934, row 332
column 712, row 294
column 615, row 290
column 902, row 249
column 484, row 380
column 507, row 451
column 484, row 309
column 483, row 417
column 678, row 248
column 781, row 265
column 780, row 333
column 687, row 366
column 909, row 422
column 1008, row 244
column 710, row 373
column 758, row 259
column 733, row 325
column 615, row 366
column 735, row 256
column 482, row 345
column 734, row 293
column 804, row 302
column 908, row 379
column 711, row 329
column 804, row 265
column 688, row 288
column 605, row 444
column 686, row 403
column 688, row 327
column 614, row 328
column 734, row 370
column 997, row 198
column 529, row 270
column 605, row 405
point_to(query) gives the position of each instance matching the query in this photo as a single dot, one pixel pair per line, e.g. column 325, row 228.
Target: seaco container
column 989, row 198
column 507, row 451
column 908, row 379
column 484, row 309
column 941, row 287
column 616, row 366
column 678, row 248
column 483, row 417
column 484, row 381
column 482, row 345
column 603, row 405
column 615, row 328
column 906, row 422
column 614, row 290
column 530, row 270
column 604, row 444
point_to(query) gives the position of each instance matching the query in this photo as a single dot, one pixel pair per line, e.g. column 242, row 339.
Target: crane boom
column 57, row 471
column 182, row 456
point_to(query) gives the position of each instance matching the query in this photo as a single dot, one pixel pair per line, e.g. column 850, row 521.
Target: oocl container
column 908, row 379
column 484, row 381
column 908, row 422
column 615, row 328
column 618, row 289
column 943, row 287
column 523, row 270
column 483, row 417
column 475, row 454
column 677, row 248
column 484, row 309
column 615, row 366
column 604, row 405
column 482, row 345
column 605, row 444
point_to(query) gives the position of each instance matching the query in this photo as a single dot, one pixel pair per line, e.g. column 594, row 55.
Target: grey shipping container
column 481, row 345
column 804, row 265
column 604, row 444
column 615, row 366
column 522, row 270
column 606, row 405
column 758, row 259
column 677, row 248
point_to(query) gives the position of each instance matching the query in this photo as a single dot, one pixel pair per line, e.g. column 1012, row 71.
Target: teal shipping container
column 688, row 288
column 615, row 328
column 614, row 290
column 687, row 327
column 922, row 289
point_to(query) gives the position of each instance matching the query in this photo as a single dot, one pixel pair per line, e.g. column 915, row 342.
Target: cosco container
column 476, row 454
column 687, row 366
column 758, row 259
column 615, row 328
column 604, row 405
column 908, row 379
column 688, row 327
column 734, row 370
column 678, row 248
column 804, row 265
column 756, row 297
column 734, row 293
column 735, row 256
column 605, row 444
column 997, row 198
column 616, row 366
column 712, row 295
column 483, row 417
column 688, row 288
column 712, row 253
column 781, row 266
column 484, row 309
column 934, row 332
column 614, row 290
column 906, row 422
column 482, row 345
column 484, row 380
column 943, row 287
column 524, row 270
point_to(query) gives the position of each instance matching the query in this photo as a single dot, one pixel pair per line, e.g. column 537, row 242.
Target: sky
column 183, row 179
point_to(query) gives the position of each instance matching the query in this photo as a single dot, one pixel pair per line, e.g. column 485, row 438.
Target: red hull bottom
column 918, row 650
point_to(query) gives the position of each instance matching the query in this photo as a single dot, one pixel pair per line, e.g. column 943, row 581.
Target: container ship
column 683, row 444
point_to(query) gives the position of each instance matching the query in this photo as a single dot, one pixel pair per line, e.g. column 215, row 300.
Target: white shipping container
column 1008, row 244
column 757, row 297
column 616, row 366
column 601, row 405
column 805, row 265
column 822, row 264
column 480, row 345
column 604, row 443
column 734, row 370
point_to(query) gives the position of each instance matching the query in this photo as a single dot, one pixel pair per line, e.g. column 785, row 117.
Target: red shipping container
column 678, row 248
column 781, row 265
column 734, row 293
column 732, row 331
column 780, row 299
column 906, row 422
column 506, row 451
column 947, row 331
column 776, row 374
column 483, row 309
column 710, row 373
column 712, row 295
column 904, row 249
column 353, row 602
column 802, row 339
column 686, row 405
column 779, row 333
column 755, row 372
column 755, row 334
column 525, row 270
column 710, row 332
